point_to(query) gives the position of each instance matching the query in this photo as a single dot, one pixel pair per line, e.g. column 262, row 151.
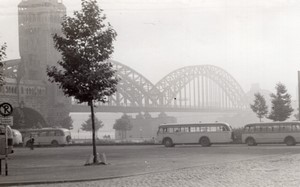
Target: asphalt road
column 65, row 164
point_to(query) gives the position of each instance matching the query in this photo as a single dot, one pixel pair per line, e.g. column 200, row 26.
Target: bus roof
column 273, row 123
column 192, row 124
column 42, row 129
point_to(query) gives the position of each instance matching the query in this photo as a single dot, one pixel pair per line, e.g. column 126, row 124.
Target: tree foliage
column 123, row 124
column 259, row 106
column 86, row 44
column 66, row 123
column 2, row 56
column 281, row 104
column 87, row 125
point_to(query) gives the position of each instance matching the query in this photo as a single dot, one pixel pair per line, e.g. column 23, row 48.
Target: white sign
column 6, row 120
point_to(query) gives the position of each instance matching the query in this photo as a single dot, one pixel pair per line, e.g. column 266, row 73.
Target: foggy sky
column 256, row 41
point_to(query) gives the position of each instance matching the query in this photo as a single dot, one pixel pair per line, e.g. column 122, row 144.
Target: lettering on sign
column 6, row 120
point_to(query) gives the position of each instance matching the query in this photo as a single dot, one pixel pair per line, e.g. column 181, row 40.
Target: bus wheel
column 250, row 142
column 204, row 141
column 289, row 141
column 168, row 142
column 54, row 143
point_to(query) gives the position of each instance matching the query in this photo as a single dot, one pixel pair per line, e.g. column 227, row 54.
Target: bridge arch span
column 133, row 89
column 203, row 85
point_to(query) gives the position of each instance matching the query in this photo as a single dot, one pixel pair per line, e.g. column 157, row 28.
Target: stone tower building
column 38, row 21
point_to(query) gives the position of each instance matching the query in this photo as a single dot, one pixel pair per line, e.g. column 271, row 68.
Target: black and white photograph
column 150, row 93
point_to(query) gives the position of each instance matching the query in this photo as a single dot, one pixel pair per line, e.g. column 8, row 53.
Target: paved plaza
column 224, row 165
column 265, row 171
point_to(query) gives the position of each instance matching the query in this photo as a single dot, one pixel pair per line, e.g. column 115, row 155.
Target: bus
column 272, row 132
column 47, row 136
column 204, row 134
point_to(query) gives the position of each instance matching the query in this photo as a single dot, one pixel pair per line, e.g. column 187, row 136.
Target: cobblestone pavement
column 267, row 171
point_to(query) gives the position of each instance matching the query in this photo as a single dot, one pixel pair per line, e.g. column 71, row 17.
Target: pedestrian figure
column 31, row 142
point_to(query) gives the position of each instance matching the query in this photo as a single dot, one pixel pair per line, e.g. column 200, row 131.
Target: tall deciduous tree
column 281, row 104
column 2, row 56
column 123, row 124
column 259, row 106
column 87, row 125
column 85, row 46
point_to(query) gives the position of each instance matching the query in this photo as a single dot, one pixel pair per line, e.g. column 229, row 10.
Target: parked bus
column 204, row 134
column 272, row 132
column 47, row 136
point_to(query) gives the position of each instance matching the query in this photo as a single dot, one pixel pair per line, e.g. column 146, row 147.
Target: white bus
column 47, row 136
column 204, row 134
column 272, row 132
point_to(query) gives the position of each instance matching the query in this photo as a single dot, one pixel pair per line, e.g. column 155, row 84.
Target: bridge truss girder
column 214, row 80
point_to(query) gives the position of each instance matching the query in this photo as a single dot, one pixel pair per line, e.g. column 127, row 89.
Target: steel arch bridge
column 188, row 89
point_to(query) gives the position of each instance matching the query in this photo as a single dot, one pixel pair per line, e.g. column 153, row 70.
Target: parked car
column 17, row 137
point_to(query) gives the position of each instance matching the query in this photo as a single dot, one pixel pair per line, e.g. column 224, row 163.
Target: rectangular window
column 186, row 129
column 42, row 134
column 170, row 130
column 213, row 129
column 203, row 129
column 177, row 129
column 51, row 133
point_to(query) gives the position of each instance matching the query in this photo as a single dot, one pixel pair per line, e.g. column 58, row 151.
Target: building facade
column 26, row 78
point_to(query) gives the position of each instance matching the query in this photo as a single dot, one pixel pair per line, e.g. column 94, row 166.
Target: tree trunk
column 93, row 131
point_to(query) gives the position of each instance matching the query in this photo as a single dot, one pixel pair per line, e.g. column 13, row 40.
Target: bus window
column 252, row 128
column 51, row 133
column 295, row 127
column 170, row 130
column 289, row 127
column 202, row 129
column 42, row 134
column 269, row 129
column 161, row 130
column 192, row 129
column 59, row 133
column 165, row 130
column 176, row 129
column 213, row 129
